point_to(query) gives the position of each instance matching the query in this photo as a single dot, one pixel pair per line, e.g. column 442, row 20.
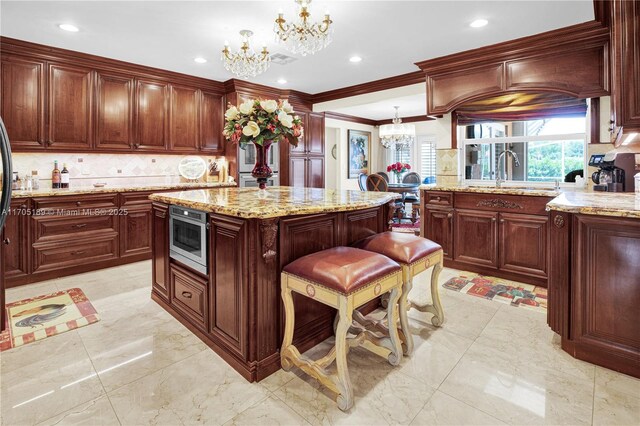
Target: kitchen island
column 235, row 307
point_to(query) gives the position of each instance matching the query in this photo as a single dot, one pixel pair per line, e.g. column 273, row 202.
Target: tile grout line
column 292, row 408
column 593, row 398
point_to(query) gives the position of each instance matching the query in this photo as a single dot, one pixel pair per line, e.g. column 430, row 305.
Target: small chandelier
column 246, row 62
column 303, row 37
column 398, row 134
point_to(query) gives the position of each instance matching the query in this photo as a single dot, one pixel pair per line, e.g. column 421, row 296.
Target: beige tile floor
column 489, row 364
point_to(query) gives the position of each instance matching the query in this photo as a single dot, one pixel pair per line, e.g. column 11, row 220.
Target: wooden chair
column 384, row 175
column 376, row 182
column 411, row 177
column 414, row 199
column 362, row 181
column 343, row 278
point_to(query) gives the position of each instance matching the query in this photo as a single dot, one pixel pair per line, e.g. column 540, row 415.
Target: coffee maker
column 615, row 171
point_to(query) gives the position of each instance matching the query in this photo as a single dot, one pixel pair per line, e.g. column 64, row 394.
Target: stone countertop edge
column 253, row 207
column 110, row 189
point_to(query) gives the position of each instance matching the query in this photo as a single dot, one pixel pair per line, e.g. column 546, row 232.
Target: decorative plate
column 192, row 167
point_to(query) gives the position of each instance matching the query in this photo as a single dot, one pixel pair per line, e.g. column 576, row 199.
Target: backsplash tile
column 89, row 168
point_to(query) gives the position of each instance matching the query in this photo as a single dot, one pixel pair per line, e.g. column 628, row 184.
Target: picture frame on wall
column 359, row 151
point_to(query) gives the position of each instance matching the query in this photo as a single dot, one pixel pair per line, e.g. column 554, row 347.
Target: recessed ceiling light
column 355, row 59
column 200, row 60
column 478, row 23
column 282, row 81
column 69, row 27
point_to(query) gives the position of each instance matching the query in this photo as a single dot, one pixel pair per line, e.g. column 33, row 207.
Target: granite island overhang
column 235, row 307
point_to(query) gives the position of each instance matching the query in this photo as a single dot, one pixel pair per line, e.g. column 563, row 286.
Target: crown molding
column 350, row 118
column 372, row 86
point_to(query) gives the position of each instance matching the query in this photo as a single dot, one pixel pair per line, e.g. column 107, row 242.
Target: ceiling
column 389, row 35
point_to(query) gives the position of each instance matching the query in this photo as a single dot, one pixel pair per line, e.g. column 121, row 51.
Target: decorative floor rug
column 40, row 317
column 407, row 228
column 501, row 290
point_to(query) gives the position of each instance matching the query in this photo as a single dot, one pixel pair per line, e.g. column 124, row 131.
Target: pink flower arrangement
column 398, row 168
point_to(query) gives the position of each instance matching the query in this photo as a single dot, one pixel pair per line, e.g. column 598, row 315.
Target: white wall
column 339, row 130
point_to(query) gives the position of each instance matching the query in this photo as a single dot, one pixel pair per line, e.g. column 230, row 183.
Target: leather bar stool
column 343, row 278
column 415, row 255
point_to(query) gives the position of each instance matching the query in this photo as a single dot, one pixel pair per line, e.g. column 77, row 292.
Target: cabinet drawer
column 502, row 203
column 52, row 228
column 136, row 198
column 106, row 201
column 68, row 254
column 438, row 198
column 189, row 295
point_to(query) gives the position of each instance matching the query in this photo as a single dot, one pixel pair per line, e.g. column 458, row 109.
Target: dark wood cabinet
column 523, row 243
column 297, row 171
column 70, row 97
column 211, row 123
column 303, row 166
column 114, row 112
column 160, row 243
column 151, row 116
column 16, row 235
column 476, row 237
column 315, row 172
column 183, row 119
column 625, row 67
column 595, row 282
column 439, row 227
column 22, row 104
column 135, row 231
column 315, row 133
column 494, row 234
column 190, row 295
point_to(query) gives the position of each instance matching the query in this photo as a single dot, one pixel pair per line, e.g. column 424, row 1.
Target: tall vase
column 261, row 171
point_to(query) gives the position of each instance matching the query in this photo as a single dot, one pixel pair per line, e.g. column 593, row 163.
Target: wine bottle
column 64, row 176
column 55, row 176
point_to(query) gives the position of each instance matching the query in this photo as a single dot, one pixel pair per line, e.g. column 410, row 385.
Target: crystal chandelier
column 246, row 62
column 398, row 134
column 302, row 36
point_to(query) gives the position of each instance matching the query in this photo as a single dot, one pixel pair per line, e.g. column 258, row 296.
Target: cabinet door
column 183, row 119
column 114, row 112
column 16, row 234
column 315, row 172
column 476, row 237
column 439, row 228
column 523, row 244
column 160, row 243
column 298, row 171
column 151, row 116
column 211, row 123
column 302, row 141
column 135, row 231
column 626, row 65
column 70, row 100
column 315, row 133
column 22, row 104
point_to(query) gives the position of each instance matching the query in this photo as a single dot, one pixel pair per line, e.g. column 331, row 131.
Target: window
column 427, row 156
column 534, row 151
column 402, row 154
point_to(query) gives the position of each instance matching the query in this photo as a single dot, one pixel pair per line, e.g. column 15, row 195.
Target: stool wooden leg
column 407, row 338
column 345, row 312
column 289, row 322
column 392, row 312
column 438, row 313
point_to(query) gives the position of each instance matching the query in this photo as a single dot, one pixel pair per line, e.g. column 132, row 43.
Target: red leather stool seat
column 343, row 269
column 403, row 248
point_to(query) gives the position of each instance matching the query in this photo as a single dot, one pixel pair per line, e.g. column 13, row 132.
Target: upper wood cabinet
column 625, row 64
column 183, row 119
column 211, row 123
column 114, row 112
column 22, row 105
column 315, row 133
column 69, row 107
column 151, row 116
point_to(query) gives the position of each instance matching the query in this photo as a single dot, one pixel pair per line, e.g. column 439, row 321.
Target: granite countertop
column 276, row 201
column 90, row 189
column 621, row 204
column 489, row 189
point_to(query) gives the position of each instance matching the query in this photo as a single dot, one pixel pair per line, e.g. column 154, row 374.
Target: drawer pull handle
column 7, row 241
column 493, row 219
column 23, row 206
column 501, row 220
column 77, row 253
column 187, row 294
column 78, row 203
column 450, row 215
column 80, row 225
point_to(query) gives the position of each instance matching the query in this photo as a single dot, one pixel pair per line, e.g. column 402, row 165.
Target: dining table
column 403, row 189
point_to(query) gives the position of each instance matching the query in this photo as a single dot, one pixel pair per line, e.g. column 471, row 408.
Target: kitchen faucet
column 499, row 179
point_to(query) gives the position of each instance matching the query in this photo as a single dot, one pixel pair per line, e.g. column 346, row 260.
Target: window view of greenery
column 547, row 150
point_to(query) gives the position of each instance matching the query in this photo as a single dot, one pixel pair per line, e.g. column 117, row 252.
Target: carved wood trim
column 408, row 79
column 558, row 221
column 499, row 203
column 269, row 231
